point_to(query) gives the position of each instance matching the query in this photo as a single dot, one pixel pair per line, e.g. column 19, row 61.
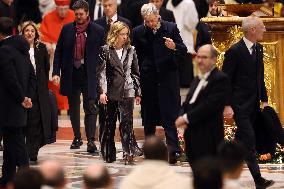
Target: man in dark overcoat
column 75, row 61
column 17, row 85
column 157, row 43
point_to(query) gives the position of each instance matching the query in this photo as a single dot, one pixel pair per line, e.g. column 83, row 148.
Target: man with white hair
column 243, row 64
column 157, row 44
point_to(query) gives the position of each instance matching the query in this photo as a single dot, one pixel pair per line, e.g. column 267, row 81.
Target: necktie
column 100, row 10
column 109, row 22
column 253, row 54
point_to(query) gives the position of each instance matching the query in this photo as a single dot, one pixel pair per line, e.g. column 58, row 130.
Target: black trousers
column 245, row 134
column 14, row 153
column 124, row 110
column 80, row 85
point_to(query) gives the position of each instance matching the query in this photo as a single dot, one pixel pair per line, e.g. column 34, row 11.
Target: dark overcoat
column 159, row 73
column 64, row 57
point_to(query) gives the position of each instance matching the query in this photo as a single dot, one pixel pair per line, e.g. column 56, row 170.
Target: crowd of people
column 115, row 59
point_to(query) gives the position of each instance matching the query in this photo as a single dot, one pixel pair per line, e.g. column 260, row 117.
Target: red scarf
column 81, row 40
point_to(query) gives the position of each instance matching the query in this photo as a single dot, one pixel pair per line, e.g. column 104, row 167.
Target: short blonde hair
column 113, row 33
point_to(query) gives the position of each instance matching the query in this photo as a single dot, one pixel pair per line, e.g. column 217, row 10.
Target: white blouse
column 32, row 57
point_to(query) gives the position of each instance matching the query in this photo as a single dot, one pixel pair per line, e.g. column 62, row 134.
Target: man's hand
column 103, row 98
column 181, row 123
column 137, row 100
column 56, row 80
column 170, row 43
column 27, row 103
column 228, row 112
column 49, row 48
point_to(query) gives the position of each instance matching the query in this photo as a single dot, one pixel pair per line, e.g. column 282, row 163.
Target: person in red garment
column 50, row 28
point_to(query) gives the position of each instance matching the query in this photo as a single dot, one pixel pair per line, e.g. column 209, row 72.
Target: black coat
column 205, row 129
column 167, row 15
column 268, row 131
column 17, row 81
column 159, row 73
column 64, row 57
column 42, row 93
column 203, row 35
column 247, row 79
column 103, row 22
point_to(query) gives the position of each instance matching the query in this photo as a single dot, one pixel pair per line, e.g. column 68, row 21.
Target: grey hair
column 148, row 9
column 249, row 22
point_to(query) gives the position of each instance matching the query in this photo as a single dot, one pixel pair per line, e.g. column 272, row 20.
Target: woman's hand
column 137, row 100
column 103, row 98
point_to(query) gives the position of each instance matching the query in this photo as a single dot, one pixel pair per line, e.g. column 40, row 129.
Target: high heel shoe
column 128, row 160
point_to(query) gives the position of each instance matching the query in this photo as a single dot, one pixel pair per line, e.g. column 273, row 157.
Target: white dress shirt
column 249, row 44
column 96, row 10
column 201, row 85
column 32, row 57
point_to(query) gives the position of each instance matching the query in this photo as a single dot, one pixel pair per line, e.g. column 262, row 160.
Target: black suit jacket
column 205, row 129
column 17, row 80
column 103, row 22
column 247, row 79
column 167, row 15
column 120, row 77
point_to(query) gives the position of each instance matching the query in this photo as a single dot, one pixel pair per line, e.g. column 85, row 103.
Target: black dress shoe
column 77, row 142
column 173, row 157
column 263, row 183
column 91, row 147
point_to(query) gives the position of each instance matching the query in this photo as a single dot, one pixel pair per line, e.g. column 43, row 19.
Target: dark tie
column 100, row 10
column 77, row 63
column 253, row 54
column 109, row 21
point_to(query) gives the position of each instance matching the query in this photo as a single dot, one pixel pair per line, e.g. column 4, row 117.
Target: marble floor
column 75, row 161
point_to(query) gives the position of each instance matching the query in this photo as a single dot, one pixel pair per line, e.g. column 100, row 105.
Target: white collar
column 206, row 75
column 114, row 18
column 248, row 43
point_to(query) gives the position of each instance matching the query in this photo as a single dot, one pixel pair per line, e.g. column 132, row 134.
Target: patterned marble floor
column 75, row 161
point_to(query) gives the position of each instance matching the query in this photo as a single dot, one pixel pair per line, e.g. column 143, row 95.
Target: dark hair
column 101, row 181
column 232, row 155
column 207, row 174
column 81, row 4
column 155, row 149
column 6, row 26
column 28, row 178
column 57, row 180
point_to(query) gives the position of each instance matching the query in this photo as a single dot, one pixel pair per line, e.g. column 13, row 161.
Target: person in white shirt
column 202, row 111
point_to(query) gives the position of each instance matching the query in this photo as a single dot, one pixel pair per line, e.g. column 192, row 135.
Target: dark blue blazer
column 64, row 57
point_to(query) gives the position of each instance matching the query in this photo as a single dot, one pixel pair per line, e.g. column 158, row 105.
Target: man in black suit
column 202, row 111
column 17, row 84
column 111, row 16
column 75, row 59
column 165, row 14
column 243, row 64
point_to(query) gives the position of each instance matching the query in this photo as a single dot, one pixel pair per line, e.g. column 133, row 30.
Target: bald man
column 243, row 64
column 202, row 111
column 97, row 176
column 53, row 174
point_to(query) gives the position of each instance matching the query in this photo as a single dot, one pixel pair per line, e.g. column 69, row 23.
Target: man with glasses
column 243, row 64
column 202, row 111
